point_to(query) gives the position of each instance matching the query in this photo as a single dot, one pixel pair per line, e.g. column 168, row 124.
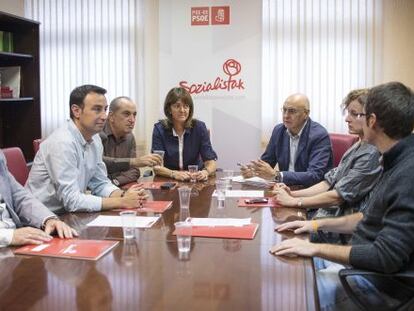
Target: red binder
column 150, row 207
column 69, row 248
column 246, row 232
column 147, row 185
column 270, row 203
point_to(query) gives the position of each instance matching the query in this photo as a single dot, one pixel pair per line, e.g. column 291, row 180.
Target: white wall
column 398, row 43
column 15, row 7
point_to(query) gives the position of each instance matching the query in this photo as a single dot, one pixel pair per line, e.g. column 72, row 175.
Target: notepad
column 214, row 222
column 115, row 221
column 242, row 193
column 69, row 248
column 150, row 207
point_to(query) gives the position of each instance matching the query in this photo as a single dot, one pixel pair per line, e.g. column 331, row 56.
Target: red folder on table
column 69, row 248
column 246, row 232
column 147, row 185
column 150, row 207
column 270, row 203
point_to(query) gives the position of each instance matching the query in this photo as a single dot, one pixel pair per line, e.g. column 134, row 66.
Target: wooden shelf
column 7, row 56
column 20, row 99
column 20, row 117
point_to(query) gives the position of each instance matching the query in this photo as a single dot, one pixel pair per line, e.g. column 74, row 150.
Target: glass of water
column 228, row 177
column 221, row 186
column 183, row 231
column 128, row 223
column 193, row 169
column 184, row 194
column 161, row 154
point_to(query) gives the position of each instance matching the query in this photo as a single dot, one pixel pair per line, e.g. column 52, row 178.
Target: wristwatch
column 115, row 182
column 278, row 177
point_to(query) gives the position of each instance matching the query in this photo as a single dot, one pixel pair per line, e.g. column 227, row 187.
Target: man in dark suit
column 21, row 214
column 300, row 148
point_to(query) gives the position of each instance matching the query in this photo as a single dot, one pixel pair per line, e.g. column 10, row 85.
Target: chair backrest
column 16, row 164
column 36, row 145
column 340, row 144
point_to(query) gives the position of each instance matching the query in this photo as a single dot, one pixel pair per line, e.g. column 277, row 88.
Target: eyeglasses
column 291, row 110
column 355, row 115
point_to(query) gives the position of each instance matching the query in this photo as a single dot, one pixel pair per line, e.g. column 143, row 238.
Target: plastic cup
column 228, row 176
column 184, row 195
column 221, row 186
column 161, row 154
column 193, row 169
column 183, row 232
column 128, row 223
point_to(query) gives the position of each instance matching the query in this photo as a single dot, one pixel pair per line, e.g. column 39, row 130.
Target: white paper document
column 215, row 222
column 242, row 193
column 254, row 181
column 115, row 221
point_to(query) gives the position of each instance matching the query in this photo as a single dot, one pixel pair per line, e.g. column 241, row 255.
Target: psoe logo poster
column 220, row 15
column 200, row 16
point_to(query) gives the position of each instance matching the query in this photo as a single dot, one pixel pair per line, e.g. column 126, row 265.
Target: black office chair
column 345, row 273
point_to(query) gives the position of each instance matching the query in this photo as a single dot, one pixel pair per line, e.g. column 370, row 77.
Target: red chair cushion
column 340, row 144
column 16, row 164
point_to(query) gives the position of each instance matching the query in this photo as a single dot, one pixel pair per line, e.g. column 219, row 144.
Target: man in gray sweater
column 383, row 237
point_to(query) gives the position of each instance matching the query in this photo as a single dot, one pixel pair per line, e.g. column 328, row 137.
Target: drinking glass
column 183, row 232
column 184, row 195
column 228, row 176
column 193, row 169
column 128, row 223
column 161, row 154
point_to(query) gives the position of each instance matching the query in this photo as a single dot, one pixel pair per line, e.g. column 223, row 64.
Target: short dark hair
column 173, row 96
column 115, row 103
column 393, row 105
column 77, row 96
column 353, row 95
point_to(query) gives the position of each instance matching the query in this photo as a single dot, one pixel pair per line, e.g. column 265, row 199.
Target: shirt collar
column 186, row 130
column 108, row 132
column 393, row 156
column 300, row 132
column 77, row 134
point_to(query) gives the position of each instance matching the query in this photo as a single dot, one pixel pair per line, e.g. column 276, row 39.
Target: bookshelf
column 20, row 117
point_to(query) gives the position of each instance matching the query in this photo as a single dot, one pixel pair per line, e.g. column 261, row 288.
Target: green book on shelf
column 7, row 41
column 1, row 41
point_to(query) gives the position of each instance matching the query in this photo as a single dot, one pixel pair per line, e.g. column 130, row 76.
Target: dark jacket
column 313, row 157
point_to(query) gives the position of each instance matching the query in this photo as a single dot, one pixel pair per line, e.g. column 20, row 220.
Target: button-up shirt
column 293, row 147
column 180, row 148
column 65, row 166
column 117, row 154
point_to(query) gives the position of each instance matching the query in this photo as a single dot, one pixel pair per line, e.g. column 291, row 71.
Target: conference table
column 148, row 272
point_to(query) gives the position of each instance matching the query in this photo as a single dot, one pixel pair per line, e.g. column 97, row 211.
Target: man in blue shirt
column 69, row 161
column 300, row 147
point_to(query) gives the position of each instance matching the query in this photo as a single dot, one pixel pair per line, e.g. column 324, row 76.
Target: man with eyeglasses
column 382, row 237
column 300, row 148
column 119, row 143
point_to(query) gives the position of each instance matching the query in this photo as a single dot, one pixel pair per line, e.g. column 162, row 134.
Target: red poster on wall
column 220, row 15
column 200, row 16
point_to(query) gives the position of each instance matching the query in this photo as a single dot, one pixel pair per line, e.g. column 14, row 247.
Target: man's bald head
column 295, row 112
column 298, row 100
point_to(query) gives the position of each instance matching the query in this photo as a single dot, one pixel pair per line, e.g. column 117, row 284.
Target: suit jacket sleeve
column 270, row 155
column 30, row 211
